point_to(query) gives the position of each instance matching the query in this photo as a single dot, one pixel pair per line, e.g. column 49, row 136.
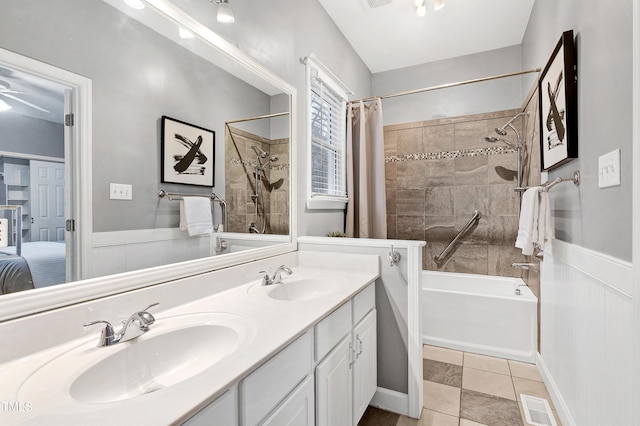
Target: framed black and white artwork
column 558, row 101
column 187, row 153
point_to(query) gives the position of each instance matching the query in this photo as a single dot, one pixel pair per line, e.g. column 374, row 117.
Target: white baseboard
column 390, row 400
column 558, row 401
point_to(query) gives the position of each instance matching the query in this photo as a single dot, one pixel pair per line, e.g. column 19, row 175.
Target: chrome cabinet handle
column 359, row 346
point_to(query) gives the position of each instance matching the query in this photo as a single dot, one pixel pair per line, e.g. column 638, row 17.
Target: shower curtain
column 367, row 206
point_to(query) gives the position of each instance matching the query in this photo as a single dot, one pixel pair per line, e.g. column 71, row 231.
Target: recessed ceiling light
column 438, row 4
column 421, row 10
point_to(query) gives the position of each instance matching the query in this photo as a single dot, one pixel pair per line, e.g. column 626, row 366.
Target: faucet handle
column 107, row 336
column 266, row 280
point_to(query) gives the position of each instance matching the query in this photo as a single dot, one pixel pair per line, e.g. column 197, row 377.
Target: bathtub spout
column 525, row 266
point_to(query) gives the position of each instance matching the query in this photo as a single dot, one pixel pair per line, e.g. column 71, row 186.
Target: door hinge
column 71, row 225
column 68, row 119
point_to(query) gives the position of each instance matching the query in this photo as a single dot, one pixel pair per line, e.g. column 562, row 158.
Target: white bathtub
column 479, row 313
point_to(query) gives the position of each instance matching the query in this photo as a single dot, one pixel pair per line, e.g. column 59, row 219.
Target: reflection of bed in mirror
column 41, row 264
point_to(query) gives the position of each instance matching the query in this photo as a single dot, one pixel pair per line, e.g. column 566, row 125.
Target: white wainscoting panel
column 586, row 336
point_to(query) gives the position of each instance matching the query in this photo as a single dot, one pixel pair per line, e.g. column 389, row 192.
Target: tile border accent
column 448, row 155
column 236, row 160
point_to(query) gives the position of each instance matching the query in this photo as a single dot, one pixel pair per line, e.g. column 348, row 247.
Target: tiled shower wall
column 240, row 183
column 438, row 172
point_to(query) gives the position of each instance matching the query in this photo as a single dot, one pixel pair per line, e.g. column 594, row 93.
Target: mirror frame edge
column 16, row 305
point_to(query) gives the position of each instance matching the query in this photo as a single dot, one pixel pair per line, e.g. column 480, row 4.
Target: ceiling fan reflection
column 6, row 92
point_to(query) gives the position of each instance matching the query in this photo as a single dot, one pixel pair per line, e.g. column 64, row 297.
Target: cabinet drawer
column 332, row 329
column 363, row 302
column 266, row 387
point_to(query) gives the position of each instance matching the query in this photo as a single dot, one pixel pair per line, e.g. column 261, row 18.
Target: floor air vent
column 537, row 411
column 377, row 3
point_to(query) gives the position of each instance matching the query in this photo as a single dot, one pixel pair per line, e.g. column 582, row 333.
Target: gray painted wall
column 138, row 76
column 598, row 219
column 28, row 135
column 496, row 95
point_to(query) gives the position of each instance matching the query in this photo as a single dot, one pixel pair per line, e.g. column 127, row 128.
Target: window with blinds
column 328, row 140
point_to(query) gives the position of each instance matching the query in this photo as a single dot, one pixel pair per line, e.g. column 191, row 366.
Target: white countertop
column 275, row 324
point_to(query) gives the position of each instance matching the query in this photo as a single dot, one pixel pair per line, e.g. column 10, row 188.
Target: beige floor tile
column 488, row 382
column 408, row 421
column 433, row 418
column 441, row 398
column 525, row 371
column 529, row 387
column 442, row 354
column 465, row 422
column 486, row 363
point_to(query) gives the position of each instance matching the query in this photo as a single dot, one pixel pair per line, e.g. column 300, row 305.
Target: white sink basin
column 300, row 288
column 174, row 350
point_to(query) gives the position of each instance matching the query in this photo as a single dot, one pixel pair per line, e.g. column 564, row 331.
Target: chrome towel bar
column 551, row 183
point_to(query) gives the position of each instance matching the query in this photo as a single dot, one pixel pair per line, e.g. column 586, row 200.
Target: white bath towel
column 195, row 215
column 545, row 222
column 536, row 227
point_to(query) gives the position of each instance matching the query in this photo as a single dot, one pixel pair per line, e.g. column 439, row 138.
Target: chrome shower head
column 273, row 158
column 492, row 139
column 501, row 131
column 260, row 152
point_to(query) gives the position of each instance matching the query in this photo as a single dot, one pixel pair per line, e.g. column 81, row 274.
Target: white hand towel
column 195, row 215
column 529, row 213
column 545, row 229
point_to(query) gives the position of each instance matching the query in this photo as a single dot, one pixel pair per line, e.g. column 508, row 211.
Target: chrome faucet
column 518, row 288
column 277, row 276
column 129, row 331
column 525, row 266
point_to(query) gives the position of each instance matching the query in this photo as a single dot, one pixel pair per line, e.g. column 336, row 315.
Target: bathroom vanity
column 232, row 352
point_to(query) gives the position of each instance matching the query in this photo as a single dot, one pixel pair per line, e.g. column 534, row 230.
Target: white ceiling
column 392, row 36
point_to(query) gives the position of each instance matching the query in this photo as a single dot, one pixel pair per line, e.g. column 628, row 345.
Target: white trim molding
column 610, row 271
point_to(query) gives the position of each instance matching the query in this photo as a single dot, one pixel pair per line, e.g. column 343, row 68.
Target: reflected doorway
column 35, row 170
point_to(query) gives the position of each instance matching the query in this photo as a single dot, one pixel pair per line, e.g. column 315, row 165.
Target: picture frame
column 558, row 105
column 187, row 153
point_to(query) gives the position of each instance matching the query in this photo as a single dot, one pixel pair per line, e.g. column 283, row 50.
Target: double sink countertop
column 190, row 356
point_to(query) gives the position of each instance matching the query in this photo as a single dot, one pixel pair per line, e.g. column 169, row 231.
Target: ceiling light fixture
column 225, row 13
column 4, row 106
column 136, row 4
column 438, row 4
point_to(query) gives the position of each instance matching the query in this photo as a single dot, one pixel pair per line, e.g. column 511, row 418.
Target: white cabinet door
column 365, row 367
column 297, row 410
column 221, row 412
column 333, row 387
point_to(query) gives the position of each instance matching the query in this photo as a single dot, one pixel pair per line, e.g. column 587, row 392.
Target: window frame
column 318, row 200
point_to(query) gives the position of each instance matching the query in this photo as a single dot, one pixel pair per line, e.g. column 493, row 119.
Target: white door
column 47, row 201
column 365, row 368
column 333, row 386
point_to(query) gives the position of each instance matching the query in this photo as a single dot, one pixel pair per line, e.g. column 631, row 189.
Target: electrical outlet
column 609, row 169
column 120, row 191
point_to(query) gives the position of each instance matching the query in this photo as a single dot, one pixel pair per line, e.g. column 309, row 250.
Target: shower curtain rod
column 260, row 117
column 446, row 86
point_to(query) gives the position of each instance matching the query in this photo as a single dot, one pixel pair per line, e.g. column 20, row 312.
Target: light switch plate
column 120, row 191
column 609, row 169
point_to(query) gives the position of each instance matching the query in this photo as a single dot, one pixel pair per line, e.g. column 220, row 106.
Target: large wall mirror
column 119, row 70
